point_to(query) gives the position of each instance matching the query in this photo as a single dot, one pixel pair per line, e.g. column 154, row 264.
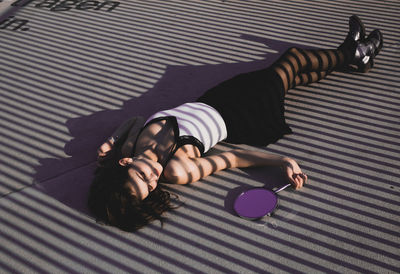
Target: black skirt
column 252, row 105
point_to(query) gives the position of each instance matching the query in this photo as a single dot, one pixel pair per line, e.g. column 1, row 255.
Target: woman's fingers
column 299, row 180
column 304, row 176
column 293, row 182
column 296, row 177
column 105, row 147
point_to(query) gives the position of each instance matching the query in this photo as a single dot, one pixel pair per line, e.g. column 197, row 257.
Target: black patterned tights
column 300, row 66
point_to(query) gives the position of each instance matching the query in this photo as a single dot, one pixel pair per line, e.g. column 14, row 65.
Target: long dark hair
column 111, row 201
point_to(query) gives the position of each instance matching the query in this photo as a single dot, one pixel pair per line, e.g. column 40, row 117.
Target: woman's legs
column 299, row 66
column 307, row 78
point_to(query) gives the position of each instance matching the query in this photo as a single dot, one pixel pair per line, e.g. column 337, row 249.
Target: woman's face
column 143, row 175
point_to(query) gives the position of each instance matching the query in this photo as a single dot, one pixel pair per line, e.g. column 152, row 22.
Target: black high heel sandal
column 367, row 50
column 356, row 33
column 356, row 29
column 376, row 39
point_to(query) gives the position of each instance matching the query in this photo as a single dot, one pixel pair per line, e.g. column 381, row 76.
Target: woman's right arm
column 188, row 170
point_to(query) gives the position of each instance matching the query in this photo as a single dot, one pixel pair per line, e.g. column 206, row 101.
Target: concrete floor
column 71, row 73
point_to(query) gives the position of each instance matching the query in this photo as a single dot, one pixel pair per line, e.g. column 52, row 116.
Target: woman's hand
column 105, row 147
column 293, row 173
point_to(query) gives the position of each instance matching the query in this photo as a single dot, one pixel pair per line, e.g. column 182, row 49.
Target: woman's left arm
column 188, row 170
column 127, row 147
column 127, row 131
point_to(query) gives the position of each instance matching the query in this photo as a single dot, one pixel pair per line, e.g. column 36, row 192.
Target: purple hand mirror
column 256, row 202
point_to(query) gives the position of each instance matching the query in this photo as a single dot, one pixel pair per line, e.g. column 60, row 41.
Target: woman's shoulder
column 187, row 151
column 180, row 164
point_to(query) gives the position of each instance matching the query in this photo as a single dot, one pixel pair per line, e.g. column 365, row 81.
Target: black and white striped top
column 197, row 121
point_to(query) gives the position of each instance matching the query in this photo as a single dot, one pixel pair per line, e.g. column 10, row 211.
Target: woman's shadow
column 68, row 179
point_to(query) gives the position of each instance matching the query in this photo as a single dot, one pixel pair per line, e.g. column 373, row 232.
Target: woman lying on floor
column 169, row 146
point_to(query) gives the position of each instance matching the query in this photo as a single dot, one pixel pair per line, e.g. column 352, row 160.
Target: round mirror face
column 255, row 203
